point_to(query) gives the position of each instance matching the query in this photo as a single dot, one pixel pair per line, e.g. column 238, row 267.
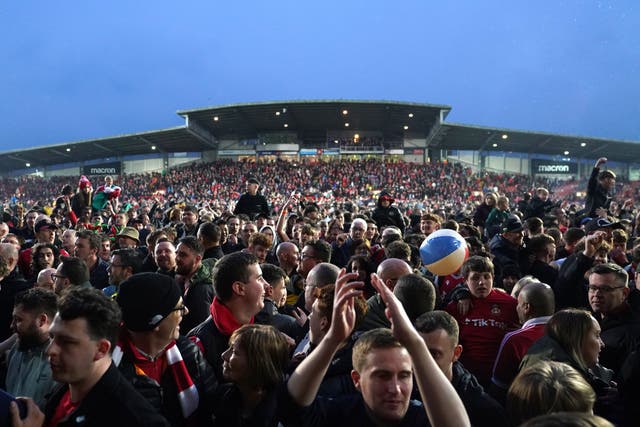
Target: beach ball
column 443, row 252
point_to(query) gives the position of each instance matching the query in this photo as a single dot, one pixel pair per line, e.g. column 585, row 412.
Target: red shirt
column 447, row 283
column 513, row 349
column 63, row 410
column 482, row 330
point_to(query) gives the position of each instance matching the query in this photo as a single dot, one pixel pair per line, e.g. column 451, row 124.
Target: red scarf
column 223, row 317
column 187, row 392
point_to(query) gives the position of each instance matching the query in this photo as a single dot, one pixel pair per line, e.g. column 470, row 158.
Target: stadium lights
column 583, row 144
column 495, row 145
column 505, row 136
column 566, row 153
column 410, row 115
column 153, row 147
column 216, row 118
column 277, row 113
column 286, row 125
column 346, row 125
column 345, row 112
column 28, row 165
column 335, row 141
column 68, row 149
column 406, row 127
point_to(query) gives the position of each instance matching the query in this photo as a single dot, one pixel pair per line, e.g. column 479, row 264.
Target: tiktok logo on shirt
column 483, row 323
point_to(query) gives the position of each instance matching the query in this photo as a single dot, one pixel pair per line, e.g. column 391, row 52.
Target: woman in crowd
column 572, row 336
column 548, row 387
column 254, row 365
column 44, row 255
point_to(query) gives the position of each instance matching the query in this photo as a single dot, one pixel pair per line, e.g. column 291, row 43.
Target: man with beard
column 165, row 255
column 124, row 264
column 27, row 364
column 195, row 278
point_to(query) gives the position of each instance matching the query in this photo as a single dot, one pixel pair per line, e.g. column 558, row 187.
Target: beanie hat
column 146, row 299
column 84, row 182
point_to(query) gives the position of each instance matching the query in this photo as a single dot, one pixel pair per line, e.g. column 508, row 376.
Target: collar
column 536, row 321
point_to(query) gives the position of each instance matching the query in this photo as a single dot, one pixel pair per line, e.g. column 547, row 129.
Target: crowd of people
column 182, row 298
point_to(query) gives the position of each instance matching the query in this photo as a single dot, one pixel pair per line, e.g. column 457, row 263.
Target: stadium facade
column 326, row 130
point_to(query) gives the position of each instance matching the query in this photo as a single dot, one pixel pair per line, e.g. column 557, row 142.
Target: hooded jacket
column 390, row 215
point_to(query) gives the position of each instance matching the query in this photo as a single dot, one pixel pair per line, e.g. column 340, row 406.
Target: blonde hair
column 548, row 387
column 569, row 328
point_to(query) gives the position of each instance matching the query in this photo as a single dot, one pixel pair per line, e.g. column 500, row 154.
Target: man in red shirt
column 491, row 316
column 536, row 304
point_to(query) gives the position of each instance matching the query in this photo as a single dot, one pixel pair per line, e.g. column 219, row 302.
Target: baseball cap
column 512, row 224
column 598, row 223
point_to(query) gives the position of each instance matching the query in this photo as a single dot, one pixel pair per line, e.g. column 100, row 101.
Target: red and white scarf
column 187, row 392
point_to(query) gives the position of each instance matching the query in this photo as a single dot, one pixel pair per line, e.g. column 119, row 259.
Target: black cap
column 512, row 224
column 146, row 299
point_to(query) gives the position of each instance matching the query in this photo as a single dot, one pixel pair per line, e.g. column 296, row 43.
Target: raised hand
column 401, row 325
column 343, row 319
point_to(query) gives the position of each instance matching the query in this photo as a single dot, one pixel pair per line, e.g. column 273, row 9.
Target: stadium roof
column 311, row 121
column 454, row 136
column 171, row 140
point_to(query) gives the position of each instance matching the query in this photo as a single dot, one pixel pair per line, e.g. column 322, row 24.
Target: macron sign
column 553, row 168
column 113, row 168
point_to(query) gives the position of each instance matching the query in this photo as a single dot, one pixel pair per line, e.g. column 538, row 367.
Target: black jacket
column 597, row 196
column 252, row 205
column 390, row 215
column 213, row 343
column 164, row 396
column 227, row 405
column 12, row 285
column 269, row 315
column 199, row 296
column 506, row 255
column 111, row 402
column 483, row 410
column 621, row 335
column 571, row 286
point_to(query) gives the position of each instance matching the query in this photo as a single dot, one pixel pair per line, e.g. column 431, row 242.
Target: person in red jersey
column 491, row 315
column 536, row 304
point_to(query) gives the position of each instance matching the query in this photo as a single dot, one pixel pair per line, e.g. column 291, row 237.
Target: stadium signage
column 113, row 168
column 551, row 167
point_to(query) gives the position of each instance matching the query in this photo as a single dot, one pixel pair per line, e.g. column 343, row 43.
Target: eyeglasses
column 58, row 276
column 182, row 309
column 306, row 256
column 604, row 289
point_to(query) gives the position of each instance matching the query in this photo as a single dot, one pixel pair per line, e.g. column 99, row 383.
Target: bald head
column 391, row 269
column 45, row 278
column 288, row 255
column 540, row 299
column 321, row 275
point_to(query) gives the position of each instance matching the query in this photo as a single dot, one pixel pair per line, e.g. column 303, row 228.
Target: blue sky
column 82, row 70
